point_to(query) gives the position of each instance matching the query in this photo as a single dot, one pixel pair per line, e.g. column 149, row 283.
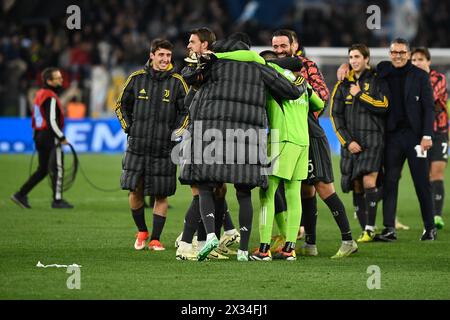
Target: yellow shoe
column 301, row 233
column 346, row 249
column 230, row 239
column 225, row 250
column 366, row 236
column 400, row 226
column 308, row 250
column 278, row 243
column 216, row 255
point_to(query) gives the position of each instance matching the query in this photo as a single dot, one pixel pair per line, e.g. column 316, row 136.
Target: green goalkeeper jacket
column 288, row 117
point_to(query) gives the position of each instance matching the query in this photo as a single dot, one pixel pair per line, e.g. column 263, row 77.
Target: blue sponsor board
column 89, row 135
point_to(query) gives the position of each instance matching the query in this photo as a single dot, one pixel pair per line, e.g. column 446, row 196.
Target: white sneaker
column 242, row 255
column 228, row 239
column 186, row 252
column 178, row 240
column 195, row 243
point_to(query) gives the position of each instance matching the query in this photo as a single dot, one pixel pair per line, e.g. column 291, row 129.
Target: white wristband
column 426, row 137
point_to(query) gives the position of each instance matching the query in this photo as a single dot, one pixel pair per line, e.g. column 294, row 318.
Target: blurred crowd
column 115, row 36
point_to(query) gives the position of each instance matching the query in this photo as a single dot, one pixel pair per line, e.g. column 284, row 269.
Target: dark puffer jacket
column 150, row 107
column 232, row 98
column 360, row 118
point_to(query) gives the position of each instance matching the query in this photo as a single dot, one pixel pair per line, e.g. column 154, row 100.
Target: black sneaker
column 429, row 235
column 283, row 255
column 20, row 200
column 387, row 235
column 61, row 204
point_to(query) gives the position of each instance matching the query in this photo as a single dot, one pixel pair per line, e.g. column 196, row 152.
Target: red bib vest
column 37, row 115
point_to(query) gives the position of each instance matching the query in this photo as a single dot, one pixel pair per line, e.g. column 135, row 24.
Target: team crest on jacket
column 366, row 86
column 349, row 99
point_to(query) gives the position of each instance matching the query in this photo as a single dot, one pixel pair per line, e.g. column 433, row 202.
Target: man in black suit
column 409, row 129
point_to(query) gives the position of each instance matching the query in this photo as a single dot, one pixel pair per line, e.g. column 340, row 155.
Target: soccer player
column 149, row 108
column 438, row 154
column 223, row 103
column 290, row 118
column 48, row 124
column 320, row 176
column 409, row 129
column 358, row 106
column 200, row 41
column 289, row 153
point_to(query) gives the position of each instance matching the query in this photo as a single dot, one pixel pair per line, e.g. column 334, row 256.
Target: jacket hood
column 229, row 45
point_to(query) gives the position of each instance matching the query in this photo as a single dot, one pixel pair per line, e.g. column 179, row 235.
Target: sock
column 371, row 204
column 264, row 247
column 309, row 215
column 201, row 232
column 437, row 188
column 294, row 210
column 267, row 199
column 219, row 205
column 209, row 236
column 139, row 219
column 244, row 197
column 158, row 225
column 191, row 220
column 338, row 210
column 230, row 232
column 240, row 252
column 280, row 219
column 227, row 221
column 360, row 207
column 289, row 246
column 207, row 208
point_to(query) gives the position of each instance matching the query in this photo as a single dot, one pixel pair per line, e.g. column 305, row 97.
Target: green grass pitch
column 99, row 235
